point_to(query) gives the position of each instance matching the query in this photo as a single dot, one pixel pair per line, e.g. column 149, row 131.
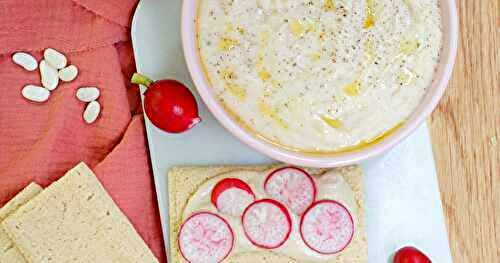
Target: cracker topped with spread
column 266, row 214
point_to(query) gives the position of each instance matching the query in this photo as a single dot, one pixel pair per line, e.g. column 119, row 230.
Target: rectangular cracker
column 5, row 242
column 12, row 255
column 75, row 220
column 184, row 181
column 8, row 250
column 20, row 199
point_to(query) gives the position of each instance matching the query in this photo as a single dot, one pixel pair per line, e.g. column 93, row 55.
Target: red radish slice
column 231, row 196
column 205, row 237
column 293, row 187
column 327, row 227
column 266, row 223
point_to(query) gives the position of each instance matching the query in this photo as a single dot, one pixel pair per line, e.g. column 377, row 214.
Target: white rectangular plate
column 403, row 206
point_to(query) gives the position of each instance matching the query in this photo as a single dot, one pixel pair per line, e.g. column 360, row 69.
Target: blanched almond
column 48, row 75
column 92, row 112
column 87, row 94
column 25, row 60
column 55, row 58
column 68, row 73
column 35, row 93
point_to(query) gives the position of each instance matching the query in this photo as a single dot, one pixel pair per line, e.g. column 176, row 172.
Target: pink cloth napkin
column 40, row 142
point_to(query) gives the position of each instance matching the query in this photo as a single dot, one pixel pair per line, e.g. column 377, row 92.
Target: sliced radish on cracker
column 292, row 186
column 205, row 237
column 231, row 196
column 266, row 223
column 327, row 227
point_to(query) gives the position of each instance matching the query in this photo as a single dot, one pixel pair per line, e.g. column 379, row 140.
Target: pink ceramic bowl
column 429, row 102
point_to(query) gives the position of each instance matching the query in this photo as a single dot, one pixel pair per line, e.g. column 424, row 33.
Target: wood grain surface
column 465, row 131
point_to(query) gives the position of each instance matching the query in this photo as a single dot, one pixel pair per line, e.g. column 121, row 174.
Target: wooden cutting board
column 465, row 131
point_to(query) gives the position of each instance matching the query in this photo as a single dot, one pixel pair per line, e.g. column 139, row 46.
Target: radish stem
column 141, row 80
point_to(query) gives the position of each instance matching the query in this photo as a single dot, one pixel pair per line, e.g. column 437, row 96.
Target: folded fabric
column 39, row 142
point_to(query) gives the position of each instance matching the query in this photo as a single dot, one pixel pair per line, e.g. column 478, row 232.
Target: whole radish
column 410, row 255
column 169, row 104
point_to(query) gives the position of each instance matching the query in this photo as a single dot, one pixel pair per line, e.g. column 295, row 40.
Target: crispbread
column 74, row 219
column 20, row 199
column 8, row 251
column 184, row 181
column 12, row 255
column 5, row 242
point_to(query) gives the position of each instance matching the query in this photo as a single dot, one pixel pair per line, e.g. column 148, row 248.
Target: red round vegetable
column 410, row 255
column 231, row 196
column 327, row 227
column 205, row 237
column 169, row 104
column 266, row 223
column 292, row 186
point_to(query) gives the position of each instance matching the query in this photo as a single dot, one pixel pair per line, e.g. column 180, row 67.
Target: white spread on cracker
column 330, row 185
column 319, row 76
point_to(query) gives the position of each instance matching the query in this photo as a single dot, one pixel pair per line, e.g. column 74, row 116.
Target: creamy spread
column 331, row 185
column 319, row 76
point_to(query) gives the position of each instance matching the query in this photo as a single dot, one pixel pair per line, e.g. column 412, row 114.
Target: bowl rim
column 425, row 108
